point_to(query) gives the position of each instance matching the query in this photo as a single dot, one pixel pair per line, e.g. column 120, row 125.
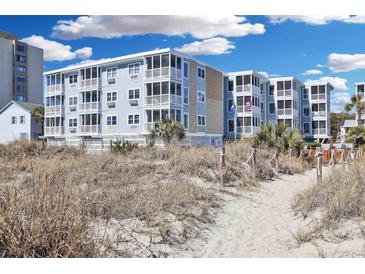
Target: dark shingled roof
column 25, row 105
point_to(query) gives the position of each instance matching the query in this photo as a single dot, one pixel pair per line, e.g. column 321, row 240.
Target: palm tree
column 38, row 115
column 358, row 104
column 167, row 130
column 356, row 135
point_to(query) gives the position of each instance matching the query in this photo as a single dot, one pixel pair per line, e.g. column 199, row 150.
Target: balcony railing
column 244, row 109
column 285, row 111
column 245, row 88
column 54, row 110
column 156, row 100
column 282, row 93
column 90, row 106
column 320, row 131
column 320, row 96
column 55, row 89
column 319, row 113
column 175, row 100
column 56, row 130
column 89, row 129
column 90, row 83
column 156, row 73
column 176, row 73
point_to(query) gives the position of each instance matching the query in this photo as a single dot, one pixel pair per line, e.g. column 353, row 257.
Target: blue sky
column 307, row 47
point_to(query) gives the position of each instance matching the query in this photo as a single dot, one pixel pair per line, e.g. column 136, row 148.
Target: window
column 149, row 62
column 111, row 73
column 230, row 125
column 230, row 85
column 21, row 69
column 306, row 127
column 22, row 119
column 133, row 119
column 201, row 73
column 133, row 94
column 94, row 72
column 72, row 101
column 287, row 84
column 238, row 80
column 134, row 68
column 322, row 89
column 165, row 87
column 20, row 98
column 165, row 60
column 156, row 61
column 72, row 79
column 20, row 78
column 21, row 58
column 201, row 96
column 186, row 96
column 20, row 89
column 13, row 120
column 271, row 108
column 186, row 69
column 247, row 80
column 201, row 120
column 306, row 111
column 178, row 63
column 20, row 48
column 229, row 104
column 314, row 89
column 111, row 96
column 186, row 121
column 280, row 85
column 305, row 93
column 271, row 91
column 72, row 123
column 173, row 61
column 111, row 120
column 360, row 88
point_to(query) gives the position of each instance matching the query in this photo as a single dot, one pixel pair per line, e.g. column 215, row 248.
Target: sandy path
column 258, row 224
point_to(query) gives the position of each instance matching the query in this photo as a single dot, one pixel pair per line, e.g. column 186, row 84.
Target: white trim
column 187, row 62
column 116, row 120
column 110, row 92
column 134, row 95
column 205, row 120
column 111, row 68
column 73, row 118
column 230, row 119
column 134, row 64
column 134, row 114
column 186, row 113
column 197, row 96
column 229, row 106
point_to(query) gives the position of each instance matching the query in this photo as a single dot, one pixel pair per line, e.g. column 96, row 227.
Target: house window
column 287, row 84
column 271, row 91
column 133, row 119
column 230, row 85
column 280, row 85
column 247, row 80
column 230, row 125
column 20, row 69
column 20, row 89
column 306, row 127
column 201, row 73
column 178, row 62
column 272, row 108
column 305, row 93
column 22, row 119
column 20, row 78
column 186, row 121
column 13, row 120
column 360, row 88
column 20, row 48
column 165, row 60
column 186, row 96
column 72, row 79
column 134, row 68
column 133, row 94
column 112, row 72
column 229, row 104
column 201, row 96
column 238, row 80
column 111, row 96
column 72, row 101
column 20, row 98
column 186, row 70
column 201, row 120
column 111, row 120
column 21, row 58
column 306, row 111
column 72, row 123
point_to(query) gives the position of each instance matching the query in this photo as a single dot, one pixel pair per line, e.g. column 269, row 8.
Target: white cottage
column 16, row 122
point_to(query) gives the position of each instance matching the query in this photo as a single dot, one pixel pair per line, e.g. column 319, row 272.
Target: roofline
column 234, row 73
column 286, row 77
column 17, row 103
column 359, row 83
column 318, row 82
column 111, row 61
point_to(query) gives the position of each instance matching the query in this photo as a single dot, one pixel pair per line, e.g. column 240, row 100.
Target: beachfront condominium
column 316, row 122
column 21, row 71
column 245, row 102
column 360, row 89
column 122, row 98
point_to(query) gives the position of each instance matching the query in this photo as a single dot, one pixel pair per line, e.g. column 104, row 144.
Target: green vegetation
column 167, row 130
column 122, row 147
column 336, row 119
column 356, row 136
column 38, row 115
column 358, row 104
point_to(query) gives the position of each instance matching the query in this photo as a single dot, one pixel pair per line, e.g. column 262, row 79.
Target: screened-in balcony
column 90, row 78
column 90, row 101
column 89, row 129
column 90, row 107
column 55, row 89
column 285, row 111
column 319, row 114
column 55, row 84
column 156, row 100
column 284, row 93
column 163, row 93
column 54, row 110
column 318, row 96
column 53, row 130
column 163, row 66
column 319, row 131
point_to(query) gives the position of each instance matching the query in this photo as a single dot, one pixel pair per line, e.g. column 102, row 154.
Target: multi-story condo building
column 246, row 91
column 316, row 122
column 360, row 90
column 284, row 101
column 122, row 98
column 21, row 71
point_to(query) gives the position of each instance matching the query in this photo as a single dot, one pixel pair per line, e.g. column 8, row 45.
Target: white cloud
column 201, row 27
column 54, row 51
column 312, row 72
column 336, row 82
column 268, row 75
column 338, row 101
column 345, row 62
column 89, row 61
column 318, row 19
column 212, row 46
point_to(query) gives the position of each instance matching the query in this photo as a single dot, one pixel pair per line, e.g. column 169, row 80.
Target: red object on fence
column 223, row 165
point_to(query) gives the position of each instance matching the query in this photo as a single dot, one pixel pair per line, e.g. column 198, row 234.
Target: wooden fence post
column 319, row 166
column 254, row 160
column 222, row 163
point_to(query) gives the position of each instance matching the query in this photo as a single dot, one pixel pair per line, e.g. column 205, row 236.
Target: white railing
column 281, row 93
column 156, row 100
column 245, row 88
column 175, row 100
column 52, row 110
column 89, row 129
column 285, row 111
column 56, row 130
column 319, row 131
column 55, row 89
column 90, row 83
column 319, row 113
column 159, row 72
column 244, row 129
column 90, row 106
column 320, row 96
column 241, row 109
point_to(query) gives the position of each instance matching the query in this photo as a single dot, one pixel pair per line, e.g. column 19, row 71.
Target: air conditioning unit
column 72, row 130
column 72, row 108
column 111, row 104
column 111, row 81
column 133, row 126
column 135, row 76
column 133, row 102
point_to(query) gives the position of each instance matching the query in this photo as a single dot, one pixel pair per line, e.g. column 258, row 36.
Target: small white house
column 16, row 122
